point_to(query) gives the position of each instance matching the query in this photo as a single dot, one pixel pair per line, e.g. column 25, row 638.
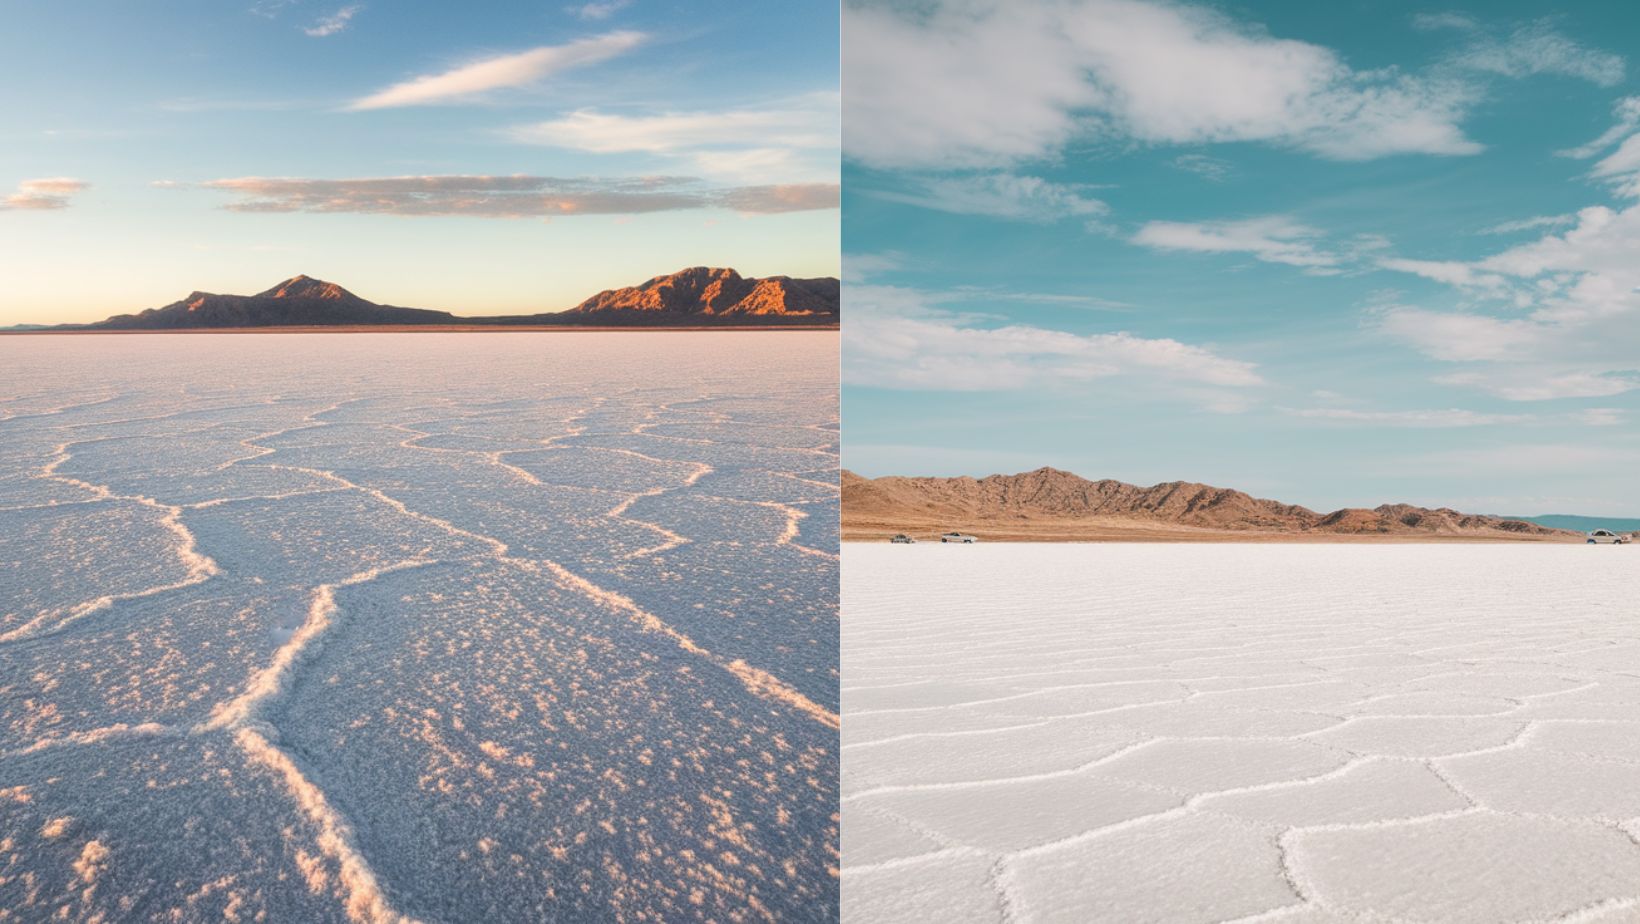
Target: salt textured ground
column 460, row 627
column 1441, row 733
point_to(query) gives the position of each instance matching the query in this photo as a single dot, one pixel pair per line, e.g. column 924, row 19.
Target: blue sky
column 1337, row 254
column 485, row 159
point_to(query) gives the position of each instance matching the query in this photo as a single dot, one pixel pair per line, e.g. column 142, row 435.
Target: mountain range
column 1052, row 504
column 698, row 296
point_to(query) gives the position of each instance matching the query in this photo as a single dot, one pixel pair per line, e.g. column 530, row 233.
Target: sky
column 483, row 159
column 1334, row 254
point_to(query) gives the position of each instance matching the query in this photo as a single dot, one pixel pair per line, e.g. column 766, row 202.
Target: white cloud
column 516, row 196
column 1600, row 417
column 1451, row 272
column 858, row 267
column 1530, row 224
column 740, row 142
column 901, row 338
column 335, row 22
column 811, row 123
column 1273, row 239
column 501, row 72
column 1538, row 49
column 1626, row 111
column 603, row 10
column 1429, row 22
column 1000, row 195
column 1451, row 417
column 43, row 194
column 1556, row 317
column 981, row 83
column 1540, row 383
column 1460, row 337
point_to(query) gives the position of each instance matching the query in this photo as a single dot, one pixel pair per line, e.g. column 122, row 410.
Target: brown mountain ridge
column 698, row 296
column 1053, row 505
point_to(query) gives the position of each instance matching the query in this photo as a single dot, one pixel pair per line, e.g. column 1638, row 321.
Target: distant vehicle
column 1597, row 536
column 902, row 539
column 958, row 537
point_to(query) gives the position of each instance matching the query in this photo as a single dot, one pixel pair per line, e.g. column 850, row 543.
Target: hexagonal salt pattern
column 1297, row 734
column 420, row 627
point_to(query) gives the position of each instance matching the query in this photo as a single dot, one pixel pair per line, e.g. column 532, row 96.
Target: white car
column 902, row 539
column 958, row 537
column 1605, row 535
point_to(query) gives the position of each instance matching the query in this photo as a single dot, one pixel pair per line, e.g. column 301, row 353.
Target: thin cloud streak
column 518, row 196
column 464, row 83
column 334, row 23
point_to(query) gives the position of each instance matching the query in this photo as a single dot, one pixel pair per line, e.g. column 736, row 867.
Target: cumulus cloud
column 981, row 83
column 1273, row 239
column 516, row 196
column 334, row 23
column 1554, row 317
column 905, row 338
column 43, row 194
column 999, row 195
column 472, row 80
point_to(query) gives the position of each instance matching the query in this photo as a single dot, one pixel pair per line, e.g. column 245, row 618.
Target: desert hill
column 1051, row 504
column 702, row 290
column 695, row 296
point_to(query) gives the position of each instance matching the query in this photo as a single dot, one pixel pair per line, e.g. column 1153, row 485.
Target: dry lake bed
column 440, row 627
column 1080, row 733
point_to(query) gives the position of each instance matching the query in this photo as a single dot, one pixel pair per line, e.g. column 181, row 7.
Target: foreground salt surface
column 1443, row 733
column 462, row 627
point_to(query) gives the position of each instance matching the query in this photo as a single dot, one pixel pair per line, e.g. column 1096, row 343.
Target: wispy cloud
column 1626, row 119
column 999, row 195
column 1530, row 224
column 335, row 22
column 601, row 10
column 516, row 196
column 810, row 125
column 269, row 9
column 43, row 194
column 1208, row 168
column 1273, row 239
column 1449, row 417
column 1532, row 382
column 747, row 141
column 904, row 338
column 1526, row 51
column 463, row 84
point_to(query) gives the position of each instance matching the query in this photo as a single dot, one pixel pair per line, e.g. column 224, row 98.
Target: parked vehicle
column 902, row 539
column 958, row 537
column 1598, row 536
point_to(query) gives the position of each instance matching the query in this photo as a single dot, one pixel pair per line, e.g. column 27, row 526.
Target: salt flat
column 1077, row 733
column 439, row 627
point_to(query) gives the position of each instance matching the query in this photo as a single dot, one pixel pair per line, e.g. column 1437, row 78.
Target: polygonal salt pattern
column 1254, row 733
column 438, row 627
